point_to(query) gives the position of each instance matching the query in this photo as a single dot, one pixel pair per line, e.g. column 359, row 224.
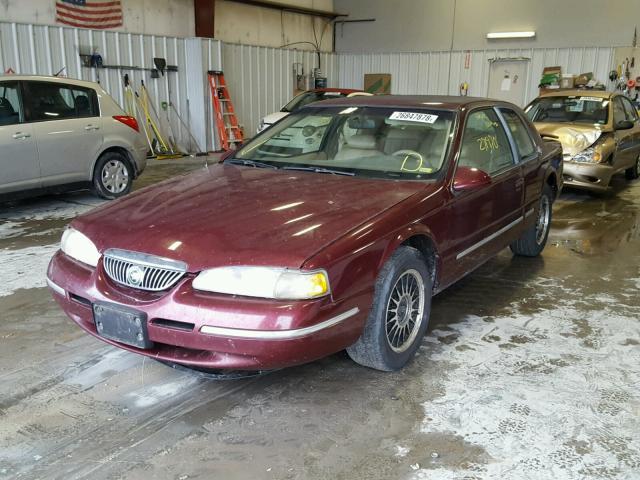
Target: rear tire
column 533, row 240
column 112, row 176
column 399, row 315
column 633, row 173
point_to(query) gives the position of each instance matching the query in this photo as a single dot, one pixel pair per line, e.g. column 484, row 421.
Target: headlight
column 264, row 282
column 78, row 246
column 587, row 155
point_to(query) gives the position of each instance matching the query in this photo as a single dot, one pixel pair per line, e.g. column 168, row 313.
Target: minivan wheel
column 633, row 172
column 533, row 240
column 399, row 315
column 112, row 176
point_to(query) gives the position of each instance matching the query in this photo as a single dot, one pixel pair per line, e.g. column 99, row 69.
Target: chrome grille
column 142, row 271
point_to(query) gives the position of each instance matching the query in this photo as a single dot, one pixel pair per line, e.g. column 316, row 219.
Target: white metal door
column 67, row 149
column 19, row 168
column 507, row 80
column 67, row 129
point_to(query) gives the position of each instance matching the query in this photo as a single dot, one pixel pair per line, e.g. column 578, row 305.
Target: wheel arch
column 118, row 149
column 421, row 239
column 552, row 181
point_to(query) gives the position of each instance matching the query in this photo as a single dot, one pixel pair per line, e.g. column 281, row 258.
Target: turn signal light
column 128, row 121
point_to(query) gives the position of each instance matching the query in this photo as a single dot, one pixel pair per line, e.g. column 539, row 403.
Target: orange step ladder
column 229, row 132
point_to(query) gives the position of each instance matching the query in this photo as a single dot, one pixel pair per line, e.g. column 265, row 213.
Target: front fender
column 354, row 270
column 354, row 260
column 419, row 236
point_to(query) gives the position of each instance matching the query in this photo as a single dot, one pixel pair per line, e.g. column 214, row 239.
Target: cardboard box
column 583, row 78
column 567, row 81
column 377, row 83
column 550, row 76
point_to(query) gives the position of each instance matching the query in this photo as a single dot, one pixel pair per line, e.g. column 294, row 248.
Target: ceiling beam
column 291, row 8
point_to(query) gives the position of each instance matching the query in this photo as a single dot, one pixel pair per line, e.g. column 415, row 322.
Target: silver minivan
column 58, row 133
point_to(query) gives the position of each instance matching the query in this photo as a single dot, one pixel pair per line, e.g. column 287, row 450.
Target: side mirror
column 468, row 179
column 624, row 125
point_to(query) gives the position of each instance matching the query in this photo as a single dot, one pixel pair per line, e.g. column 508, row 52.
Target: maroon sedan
column 288, row 251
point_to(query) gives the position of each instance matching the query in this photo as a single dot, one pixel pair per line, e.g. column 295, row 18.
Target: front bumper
column 214, row 331
column 592, row 176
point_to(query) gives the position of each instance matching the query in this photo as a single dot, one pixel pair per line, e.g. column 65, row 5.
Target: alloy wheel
column 544, row 215
column 115, row 176
column 405, row 310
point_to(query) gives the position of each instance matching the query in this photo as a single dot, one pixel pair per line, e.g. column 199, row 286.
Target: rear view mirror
column 468, row 179
column 624, row 125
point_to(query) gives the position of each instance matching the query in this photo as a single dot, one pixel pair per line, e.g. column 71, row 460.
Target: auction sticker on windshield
column 591, row 99
column 414, row 117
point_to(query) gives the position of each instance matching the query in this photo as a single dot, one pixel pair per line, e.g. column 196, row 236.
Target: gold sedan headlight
column 589, row 155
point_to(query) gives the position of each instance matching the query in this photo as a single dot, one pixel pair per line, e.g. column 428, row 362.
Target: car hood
column 573, row 137
column 234, row 215
column 274, row 117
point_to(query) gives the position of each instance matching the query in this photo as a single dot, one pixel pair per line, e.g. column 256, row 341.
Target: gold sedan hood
column 573, row 137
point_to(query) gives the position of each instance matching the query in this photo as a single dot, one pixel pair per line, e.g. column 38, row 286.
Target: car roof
column 46, row 78
column 580, row 92
column 438, row 102
column 338, row 90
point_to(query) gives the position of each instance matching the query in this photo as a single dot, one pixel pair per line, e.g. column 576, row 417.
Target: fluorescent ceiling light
column 511, row 35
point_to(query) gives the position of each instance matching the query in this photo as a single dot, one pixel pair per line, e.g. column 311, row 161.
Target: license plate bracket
column 121, row 324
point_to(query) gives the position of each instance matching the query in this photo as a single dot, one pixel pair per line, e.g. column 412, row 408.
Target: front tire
column 399, row 316
column 533, row 240
column 112, row 176
column 633, row 173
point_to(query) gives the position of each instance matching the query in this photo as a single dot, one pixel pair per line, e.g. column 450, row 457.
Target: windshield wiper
column 320, row 170
column 249, row 163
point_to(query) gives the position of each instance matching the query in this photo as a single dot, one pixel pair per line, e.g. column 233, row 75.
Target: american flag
column 89, row 14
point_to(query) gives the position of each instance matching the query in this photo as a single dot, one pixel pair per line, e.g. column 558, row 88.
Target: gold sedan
column 599, row 132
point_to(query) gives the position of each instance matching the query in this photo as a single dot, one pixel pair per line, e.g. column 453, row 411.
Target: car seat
column 433, row 145
column 83, row 108
column 599, row 115
column 402, row 138
column 471, row 155
column 8, row 116
column 357, row 146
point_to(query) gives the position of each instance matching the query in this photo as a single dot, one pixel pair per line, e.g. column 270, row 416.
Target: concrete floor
column 530, row 370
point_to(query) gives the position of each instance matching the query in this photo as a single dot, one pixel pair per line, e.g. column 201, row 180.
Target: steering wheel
column 422, row 162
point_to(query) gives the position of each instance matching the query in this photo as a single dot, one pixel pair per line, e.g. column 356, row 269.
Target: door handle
column 91, row 127
column 20, row 135
column 519, row 183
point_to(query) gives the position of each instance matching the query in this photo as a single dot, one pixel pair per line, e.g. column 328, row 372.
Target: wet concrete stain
column 529, row 370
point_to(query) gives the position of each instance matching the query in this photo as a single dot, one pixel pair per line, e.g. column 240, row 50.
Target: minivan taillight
column 128, row 121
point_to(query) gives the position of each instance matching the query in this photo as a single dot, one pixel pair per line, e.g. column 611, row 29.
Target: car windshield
column 309, row 97
column 569, row 109
column 409, row 143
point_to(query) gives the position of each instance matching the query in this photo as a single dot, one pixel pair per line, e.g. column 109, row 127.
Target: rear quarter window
column 54, row 101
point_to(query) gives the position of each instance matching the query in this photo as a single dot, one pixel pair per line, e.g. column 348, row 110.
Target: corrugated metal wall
column 45, row 50
column 261, row 78
column 441, row 73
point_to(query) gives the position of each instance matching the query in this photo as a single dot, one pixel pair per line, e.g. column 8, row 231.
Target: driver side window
column 630, row 110
column 485, row 145
column 619, row 114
